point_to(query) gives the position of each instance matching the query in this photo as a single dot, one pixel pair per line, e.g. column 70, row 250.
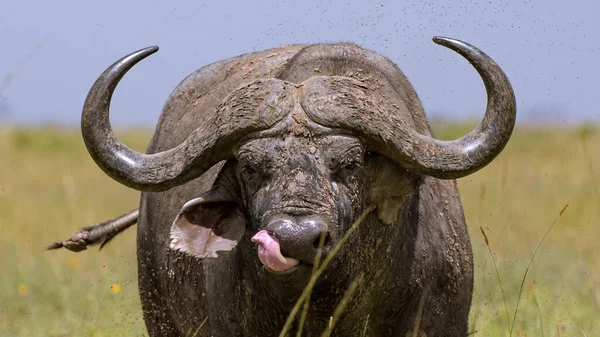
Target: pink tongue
column 269, row 252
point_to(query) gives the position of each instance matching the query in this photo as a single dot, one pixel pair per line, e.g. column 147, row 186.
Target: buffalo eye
column 346, row 171
column 248, row 169
column 350, row 166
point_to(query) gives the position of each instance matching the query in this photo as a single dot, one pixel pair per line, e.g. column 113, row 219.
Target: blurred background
column 52, row 52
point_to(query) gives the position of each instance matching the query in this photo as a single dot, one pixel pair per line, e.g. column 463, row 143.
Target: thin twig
column 342, row 305
column 364, row 333
column 313, row 279
column 314, row 270
column 529, row 265
column 420, row 312
column 487, row 243
column 201, row 325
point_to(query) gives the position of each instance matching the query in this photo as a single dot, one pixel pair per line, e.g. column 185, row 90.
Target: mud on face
column 298, row 189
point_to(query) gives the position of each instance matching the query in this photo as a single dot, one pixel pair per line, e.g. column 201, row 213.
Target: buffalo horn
column 346, row 103
column 253, row 107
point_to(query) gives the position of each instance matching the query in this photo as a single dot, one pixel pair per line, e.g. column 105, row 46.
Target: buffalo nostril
column 322, row 240
column 301, row 239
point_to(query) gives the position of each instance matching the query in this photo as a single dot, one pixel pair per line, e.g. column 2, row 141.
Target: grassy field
column 49, row 187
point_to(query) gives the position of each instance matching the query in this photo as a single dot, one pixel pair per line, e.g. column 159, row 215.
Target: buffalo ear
column 206, row 225
column 389, row 197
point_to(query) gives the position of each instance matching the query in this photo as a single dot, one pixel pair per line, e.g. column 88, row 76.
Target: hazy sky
column 52, row 51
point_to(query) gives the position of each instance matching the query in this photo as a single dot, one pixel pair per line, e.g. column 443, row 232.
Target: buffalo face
column 301, row 195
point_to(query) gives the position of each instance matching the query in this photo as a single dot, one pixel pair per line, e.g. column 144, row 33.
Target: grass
column 49, row 186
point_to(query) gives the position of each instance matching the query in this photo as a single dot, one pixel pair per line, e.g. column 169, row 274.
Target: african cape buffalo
column 261, row 163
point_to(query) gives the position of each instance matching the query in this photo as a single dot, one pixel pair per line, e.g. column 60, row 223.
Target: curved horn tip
column 144, row 52
column 449, row 42
column 440, row 39
column 137, row 56
column 123, row 65
column 153, row 49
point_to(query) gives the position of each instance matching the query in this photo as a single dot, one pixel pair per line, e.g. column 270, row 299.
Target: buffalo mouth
column 270, row 255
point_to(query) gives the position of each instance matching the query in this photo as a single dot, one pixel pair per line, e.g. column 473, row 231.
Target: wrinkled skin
column 407, row 249
column 285, row 185
column 397, row 262
column 262, row 162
